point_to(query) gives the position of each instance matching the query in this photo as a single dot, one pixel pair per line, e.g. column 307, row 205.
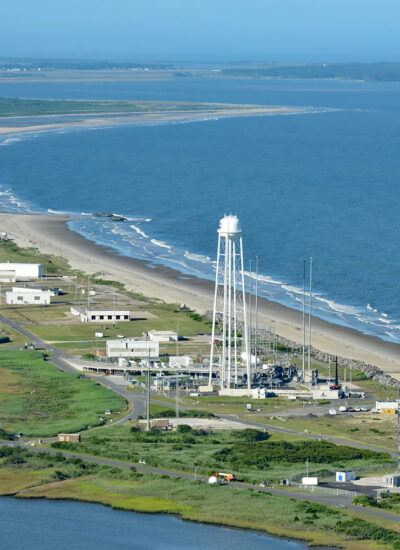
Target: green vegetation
column 38, row 399
column 347, row 71
column 355, row 428
column 11, row 107
column 261, row 455
column 253, row 455
column 158, row 411
column 38, row 475
column 11, row 252
column 388, row 501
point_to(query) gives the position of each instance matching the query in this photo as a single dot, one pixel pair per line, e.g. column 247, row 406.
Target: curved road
column 342, row 501
column 138, row 400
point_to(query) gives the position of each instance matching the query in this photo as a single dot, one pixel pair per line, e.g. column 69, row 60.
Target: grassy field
column 233, row 405
column 211, row 451
column 375, row 430
column 37, row 399
column 15, row 338
column 41, row 476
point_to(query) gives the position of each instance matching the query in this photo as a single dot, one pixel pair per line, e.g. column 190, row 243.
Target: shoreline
column 268, row 532
column 94, row 120
column 50, row 233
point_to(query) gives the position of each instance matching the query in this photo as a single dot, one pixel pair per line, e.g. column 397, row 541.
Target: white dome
column 213, row 480
column 230, row 226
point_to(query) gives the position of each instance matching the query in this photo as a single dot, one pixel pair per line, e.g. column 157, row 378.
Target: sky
column 202, row 30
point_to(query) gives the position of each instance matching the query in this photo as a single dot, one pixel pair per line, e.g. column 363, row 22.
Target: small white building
column 345, row 475
column 309, row 481
column 259, row 393
column 132, row 348
column 381, row 405
column 23, row 272
column 163, row 336
column 177, row 361
column 325, row 394
column 391, row 480
column 28, row 296
column 100, row 315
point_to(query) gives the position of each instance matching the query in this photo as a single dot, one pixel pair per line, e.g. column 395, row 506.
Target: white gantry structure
column 229, row 340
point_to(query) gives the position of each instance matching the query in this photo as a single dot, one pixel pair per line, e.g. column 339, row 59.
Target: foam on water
column 155, row 246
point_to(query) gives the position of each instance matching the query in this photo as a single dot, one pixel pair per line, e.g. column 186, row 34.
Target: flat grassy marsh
column 252, row 455
column 38, row 399
column 39, row 475
column 370, row 429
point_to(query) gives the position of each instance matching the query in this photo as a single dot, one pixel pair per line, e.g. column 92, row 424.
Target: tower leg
column 214, row 311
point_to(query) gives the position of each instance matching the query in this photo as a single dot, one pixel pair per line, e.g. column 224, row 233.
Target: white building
column 7, row 276
column 259, row 393
column 325, row 394
column 391, row 480
column 132, row 348
column 100, row 315
column 23, row 272
column 28, row 296
column 380, row 405
column 163, row 336
column 345, row 475
column 176, row 361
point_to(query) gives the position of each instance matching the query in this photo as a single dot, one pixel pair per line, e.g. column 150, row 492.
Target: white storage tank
column 213, row 480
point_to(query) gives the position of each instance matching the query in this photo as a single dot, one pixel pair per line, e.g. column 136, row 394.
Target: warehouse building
column 162, row 336
column 100, row 315
column 132, row 348
column 28, row 296
column 21, row 271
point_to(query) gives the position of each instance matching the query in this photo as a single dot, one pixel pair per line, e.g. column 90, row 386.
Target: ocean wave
column 10, row 141
column 139, row 231
column 57, row 212
column 162, row 244
column 339, row 308
column 198, row 257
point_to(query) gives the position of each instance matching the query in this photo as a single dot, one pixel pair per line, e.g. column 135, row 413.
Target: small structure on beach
column 88, row 315
column 24, row 295
column 22, row 271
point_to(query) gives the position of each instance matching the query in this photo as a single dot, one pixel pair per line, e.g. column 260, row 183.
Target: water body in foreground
column 42, row 524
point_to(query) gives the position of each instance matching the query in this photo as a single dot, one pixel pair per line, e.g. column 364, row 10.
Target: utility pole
column 398, row 431
column 309, row 317
column 148, row 394
column 177, row 398
column 250, row 319
column 304, row 322
column 256, row 322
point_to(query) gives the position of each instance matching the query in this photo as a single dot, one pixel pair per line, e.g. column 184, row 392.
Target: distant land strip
column 25, row 115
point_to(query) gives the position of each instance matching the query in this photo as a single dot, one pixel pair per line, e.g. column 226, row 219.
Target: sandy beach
column 42, row 124
column 51, row 234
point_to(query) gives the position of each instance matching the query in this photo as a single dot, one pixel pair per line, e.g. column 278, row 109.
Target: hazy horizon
column 284, row 31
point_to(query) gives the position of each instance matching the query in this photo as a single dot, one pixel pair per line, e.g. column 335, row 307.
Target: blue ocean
column 323, row 184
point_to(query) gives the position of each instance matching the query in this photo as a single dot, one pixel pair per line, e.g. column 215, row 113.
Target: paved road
column 330, row 500
column 138, row 400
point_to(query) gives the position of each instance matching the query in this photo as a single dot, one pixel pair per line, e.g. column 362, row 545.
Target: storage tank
column 213, row 480
column 230, row 226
